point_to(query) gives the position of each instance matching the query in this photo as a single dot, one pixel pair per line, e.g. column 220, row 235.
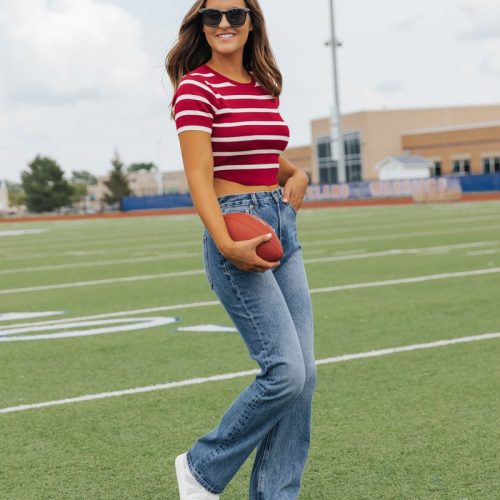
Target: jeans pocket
column 242, row 208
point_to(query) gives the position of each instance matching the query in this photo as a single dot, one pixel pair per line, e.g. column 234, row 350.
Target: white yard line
column 79, row 284
column 229, row 376
column 483, row 252
column 416, row 279
column 411, row 224
column 161, row 247
column 316, row 260
column 113, row 262
column 74, row 240
column 20, row 232
column 209, row 303
column 131, row 324
column 401, row 251
column 345, row 256
column 396, row 236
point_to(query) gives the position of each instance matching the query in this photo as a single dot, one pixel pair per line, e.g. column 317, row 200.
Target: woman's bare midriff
column 222, row 187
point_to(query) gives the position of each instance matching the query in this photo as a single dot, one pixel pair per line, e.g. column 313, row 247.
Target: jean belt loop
column 254, row 200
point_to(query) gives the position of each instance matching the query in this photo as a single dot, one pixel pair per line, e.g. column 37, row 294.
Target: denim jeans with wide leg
column 273, row 314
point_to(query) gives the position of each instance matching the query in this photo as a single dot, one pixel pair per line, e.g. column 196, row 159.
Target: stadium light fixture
column 336, row 137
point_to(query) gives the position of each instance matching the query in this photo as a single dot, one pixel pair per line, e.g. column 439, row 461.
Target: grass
column 419, row 424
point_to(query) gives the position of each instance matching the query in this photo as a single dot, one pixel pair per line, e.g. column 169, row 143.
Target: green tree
column 45, row 186
column 117, row 183
column 134, row 167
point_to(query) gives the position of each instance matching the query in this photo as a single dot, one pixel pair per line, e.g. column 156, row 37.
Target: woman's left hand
column 295, row 189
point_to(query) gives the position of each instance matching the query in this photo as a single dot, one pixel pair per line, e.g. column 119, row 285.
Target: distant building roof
column 451, row 128
column 410, row 159
column 405, row 160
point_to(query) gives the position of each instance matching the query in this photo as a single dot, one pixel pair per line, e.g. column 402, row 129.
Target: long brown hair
column 192, row 50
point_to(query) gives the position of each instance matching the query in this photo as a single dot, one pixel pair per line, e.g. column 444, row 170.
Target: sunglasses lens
column 236, row 17
column 211, row 17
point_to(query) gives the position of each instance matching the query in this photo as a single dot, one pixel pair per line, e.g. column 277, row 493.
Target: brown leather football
column 243, row 226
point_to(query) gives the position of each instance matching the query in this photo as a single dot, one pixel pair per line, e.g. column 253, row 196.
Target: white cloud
column 390, row 86
column 66, row 50
column 408, row 24
column 483, row 27
column 483, row 19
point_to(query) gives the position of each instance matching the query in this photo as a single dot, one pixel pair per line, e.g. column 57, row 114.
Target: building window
column 327, row 167
column 352, row 156
column 328, row 171
column 436, row 169
column 491, row 165
column 461, row 166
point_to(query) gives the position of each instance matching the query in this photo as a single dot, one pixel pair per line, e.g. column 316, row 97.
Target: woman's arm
column 295, row 182
column 196, row 149
column 197, row 156
column 286, row 170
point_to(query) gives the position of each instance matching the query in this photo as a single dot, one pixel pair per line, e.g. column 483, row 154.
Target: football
column 243, row 226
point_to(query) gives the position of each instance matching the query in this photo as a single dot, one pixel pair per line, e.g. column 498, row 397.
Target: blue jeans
column 273, row 313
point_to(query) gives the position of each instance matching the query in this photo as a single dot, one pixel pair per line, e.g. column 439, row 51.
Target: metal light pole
column 337, row 144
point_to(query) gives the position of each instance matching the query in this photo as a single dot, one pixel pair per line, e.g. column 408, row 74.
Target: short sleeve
column 194, row 105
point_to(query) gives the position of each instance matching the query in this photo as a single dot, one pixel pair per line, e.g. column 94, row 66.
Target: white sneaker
column 189, row 487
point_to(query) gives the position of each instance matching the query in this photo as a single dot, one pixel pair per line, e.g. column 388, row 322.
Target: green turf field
column 420, row 423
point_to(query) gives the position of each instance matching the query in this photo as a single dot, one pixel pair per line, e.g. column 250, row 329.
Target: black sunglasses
column 213, row 17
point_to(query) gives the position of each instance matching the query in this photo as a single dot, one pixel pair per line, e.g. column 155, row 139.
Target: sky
column 80, row 79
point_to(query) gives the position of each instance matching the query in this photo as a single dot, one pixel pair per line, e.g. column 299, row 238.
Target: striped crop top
column 247, row 131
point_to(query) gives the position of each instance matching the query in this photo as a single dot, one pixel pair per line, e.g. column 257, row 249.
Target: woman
column 225, row 105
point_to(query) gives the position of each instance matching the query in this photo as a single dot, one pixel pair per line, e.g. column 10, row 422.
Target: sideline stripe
column 228, row 376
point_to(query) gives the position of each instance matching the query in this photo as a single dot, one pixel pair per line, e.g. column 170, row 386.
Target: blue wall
column 480, row 183
column 469, row 184
column 159, row 201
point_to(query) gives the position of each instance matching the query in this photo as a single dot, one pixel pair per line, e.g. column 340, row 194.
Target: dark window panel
column 437, row 168
column 486, row 166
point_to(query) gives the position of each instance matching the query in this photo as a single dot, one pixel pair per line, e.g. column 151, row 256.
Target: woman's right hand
column 243, row 255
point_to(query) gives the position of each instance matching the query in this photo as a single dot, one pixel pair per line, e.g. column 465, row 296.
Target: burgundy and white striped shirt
column 248, row 132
